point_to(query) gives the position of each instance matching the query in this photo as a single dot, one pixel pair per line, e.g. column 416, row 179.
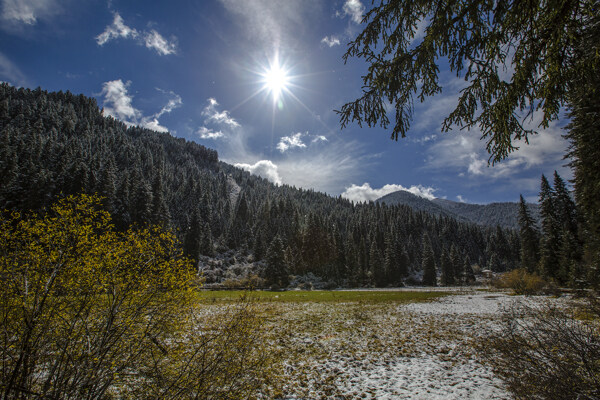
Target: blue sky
column 209, row 71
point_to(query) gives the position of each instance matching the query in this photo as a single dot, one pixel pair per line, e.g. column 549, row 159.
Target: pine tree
column 160, row 211
column 376, row 265
column 428, row 263
column 390, row 258
column 259, row 246
column 446, row 269
column 206, row 241
column 529, row 238
column 566, row 214
column 550, row 241
column 456, row 263
column 585, row 145
column 536, row 40
column 469, row 276
column 403, row 261
column 192, row 241
column 276, row 270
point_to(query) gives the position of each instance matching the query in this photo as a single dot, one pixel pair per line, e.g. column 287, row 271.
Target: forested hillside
column 56, row 144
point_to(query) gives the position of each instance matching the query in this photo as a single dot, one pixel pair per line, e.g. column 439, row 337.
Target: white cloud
column 172, row 104
column 10, row 72
column 155, row 41
column 116, row 30
column 218, row 117
column 366, row 193
column 288, row 142
column 274, row 22
column 28, row 11
column 206, row 133
column 354, row 9
column 264, row 168
column 319, row 138
column 152, row 40
column 465, row 153
column 118, row 104
column 331, row 41
column 153, row 124
column 461, row 199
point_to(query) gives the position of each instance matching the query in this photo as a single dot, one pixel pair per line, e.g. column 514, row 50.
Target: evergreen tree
column 477, row 37
column 564, row 205
column 403, row 262
column 108, row 185
column 550, row 241
column 446, row 269
column 206, row 241
column 566, row 213
column 259, row 246
column 584, row 102
column 428, row 263
column 192, row 242
column 469, row 276
column 529, row 238
column 376, row 263
column 456, row 263
column 160, row 211
column 276, row 270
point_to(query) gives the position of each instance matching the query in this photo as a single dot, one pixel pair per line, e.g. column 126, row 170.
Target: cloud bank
column 365, row 193
column 264, row 168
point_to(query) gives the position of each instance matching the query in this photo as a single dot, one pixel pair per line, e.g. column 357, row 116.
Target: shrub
column 522, row 282
column 87, row 312
column 547, row 353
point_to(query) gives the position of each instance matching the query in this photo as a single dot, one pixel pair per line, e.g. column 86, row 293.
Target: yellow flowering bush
column 82, row 305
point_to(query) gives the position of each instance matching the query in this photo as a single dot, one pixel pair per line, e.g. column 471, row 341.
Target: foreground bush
column 89, row 313
column 548, row 353
column 523, row 282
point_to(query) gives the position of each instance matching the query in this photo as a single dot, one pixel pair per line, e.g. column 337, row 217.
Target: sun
column 275, row 79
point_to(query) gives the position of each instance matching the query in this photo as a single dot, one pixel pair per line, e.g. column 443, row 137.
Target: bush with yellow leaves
column 90, row 313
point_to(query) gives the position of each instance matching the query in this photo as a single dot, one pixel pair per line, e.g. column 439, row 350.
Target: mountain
column 55, row 144
column 505, row 215
column 417, row 203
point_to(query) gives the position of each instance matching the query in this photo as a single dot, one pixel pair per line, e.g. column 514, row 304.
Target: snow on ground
column 409, row 351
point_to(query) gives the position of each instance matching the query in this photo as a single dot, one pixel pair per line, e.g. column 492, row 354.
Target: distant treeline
column 56, row 144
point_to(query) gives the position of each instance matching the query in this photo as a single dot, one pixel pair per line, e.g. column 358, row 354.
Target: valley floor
column 385, row 350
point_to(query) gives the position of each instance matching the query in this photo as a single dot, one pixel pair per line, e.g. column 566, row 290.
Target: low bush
column 548, row 352
column 523, row 282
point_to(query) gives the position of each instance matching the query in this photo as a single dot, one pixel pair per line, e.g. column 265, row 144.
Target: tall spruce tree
column 276, row 270
column 529, row 238
column 550, row 241
column 428, row 263
column 584, row 104
column 447, row 269
column 566, row 214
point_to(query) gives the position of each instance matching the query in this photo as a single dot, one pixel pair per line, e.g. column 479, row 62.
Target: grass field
column 321, row 296
column 362, row 344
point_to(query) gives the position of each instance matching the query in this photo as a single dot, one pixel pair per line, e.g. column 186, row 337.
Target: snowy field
column 387, row 351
